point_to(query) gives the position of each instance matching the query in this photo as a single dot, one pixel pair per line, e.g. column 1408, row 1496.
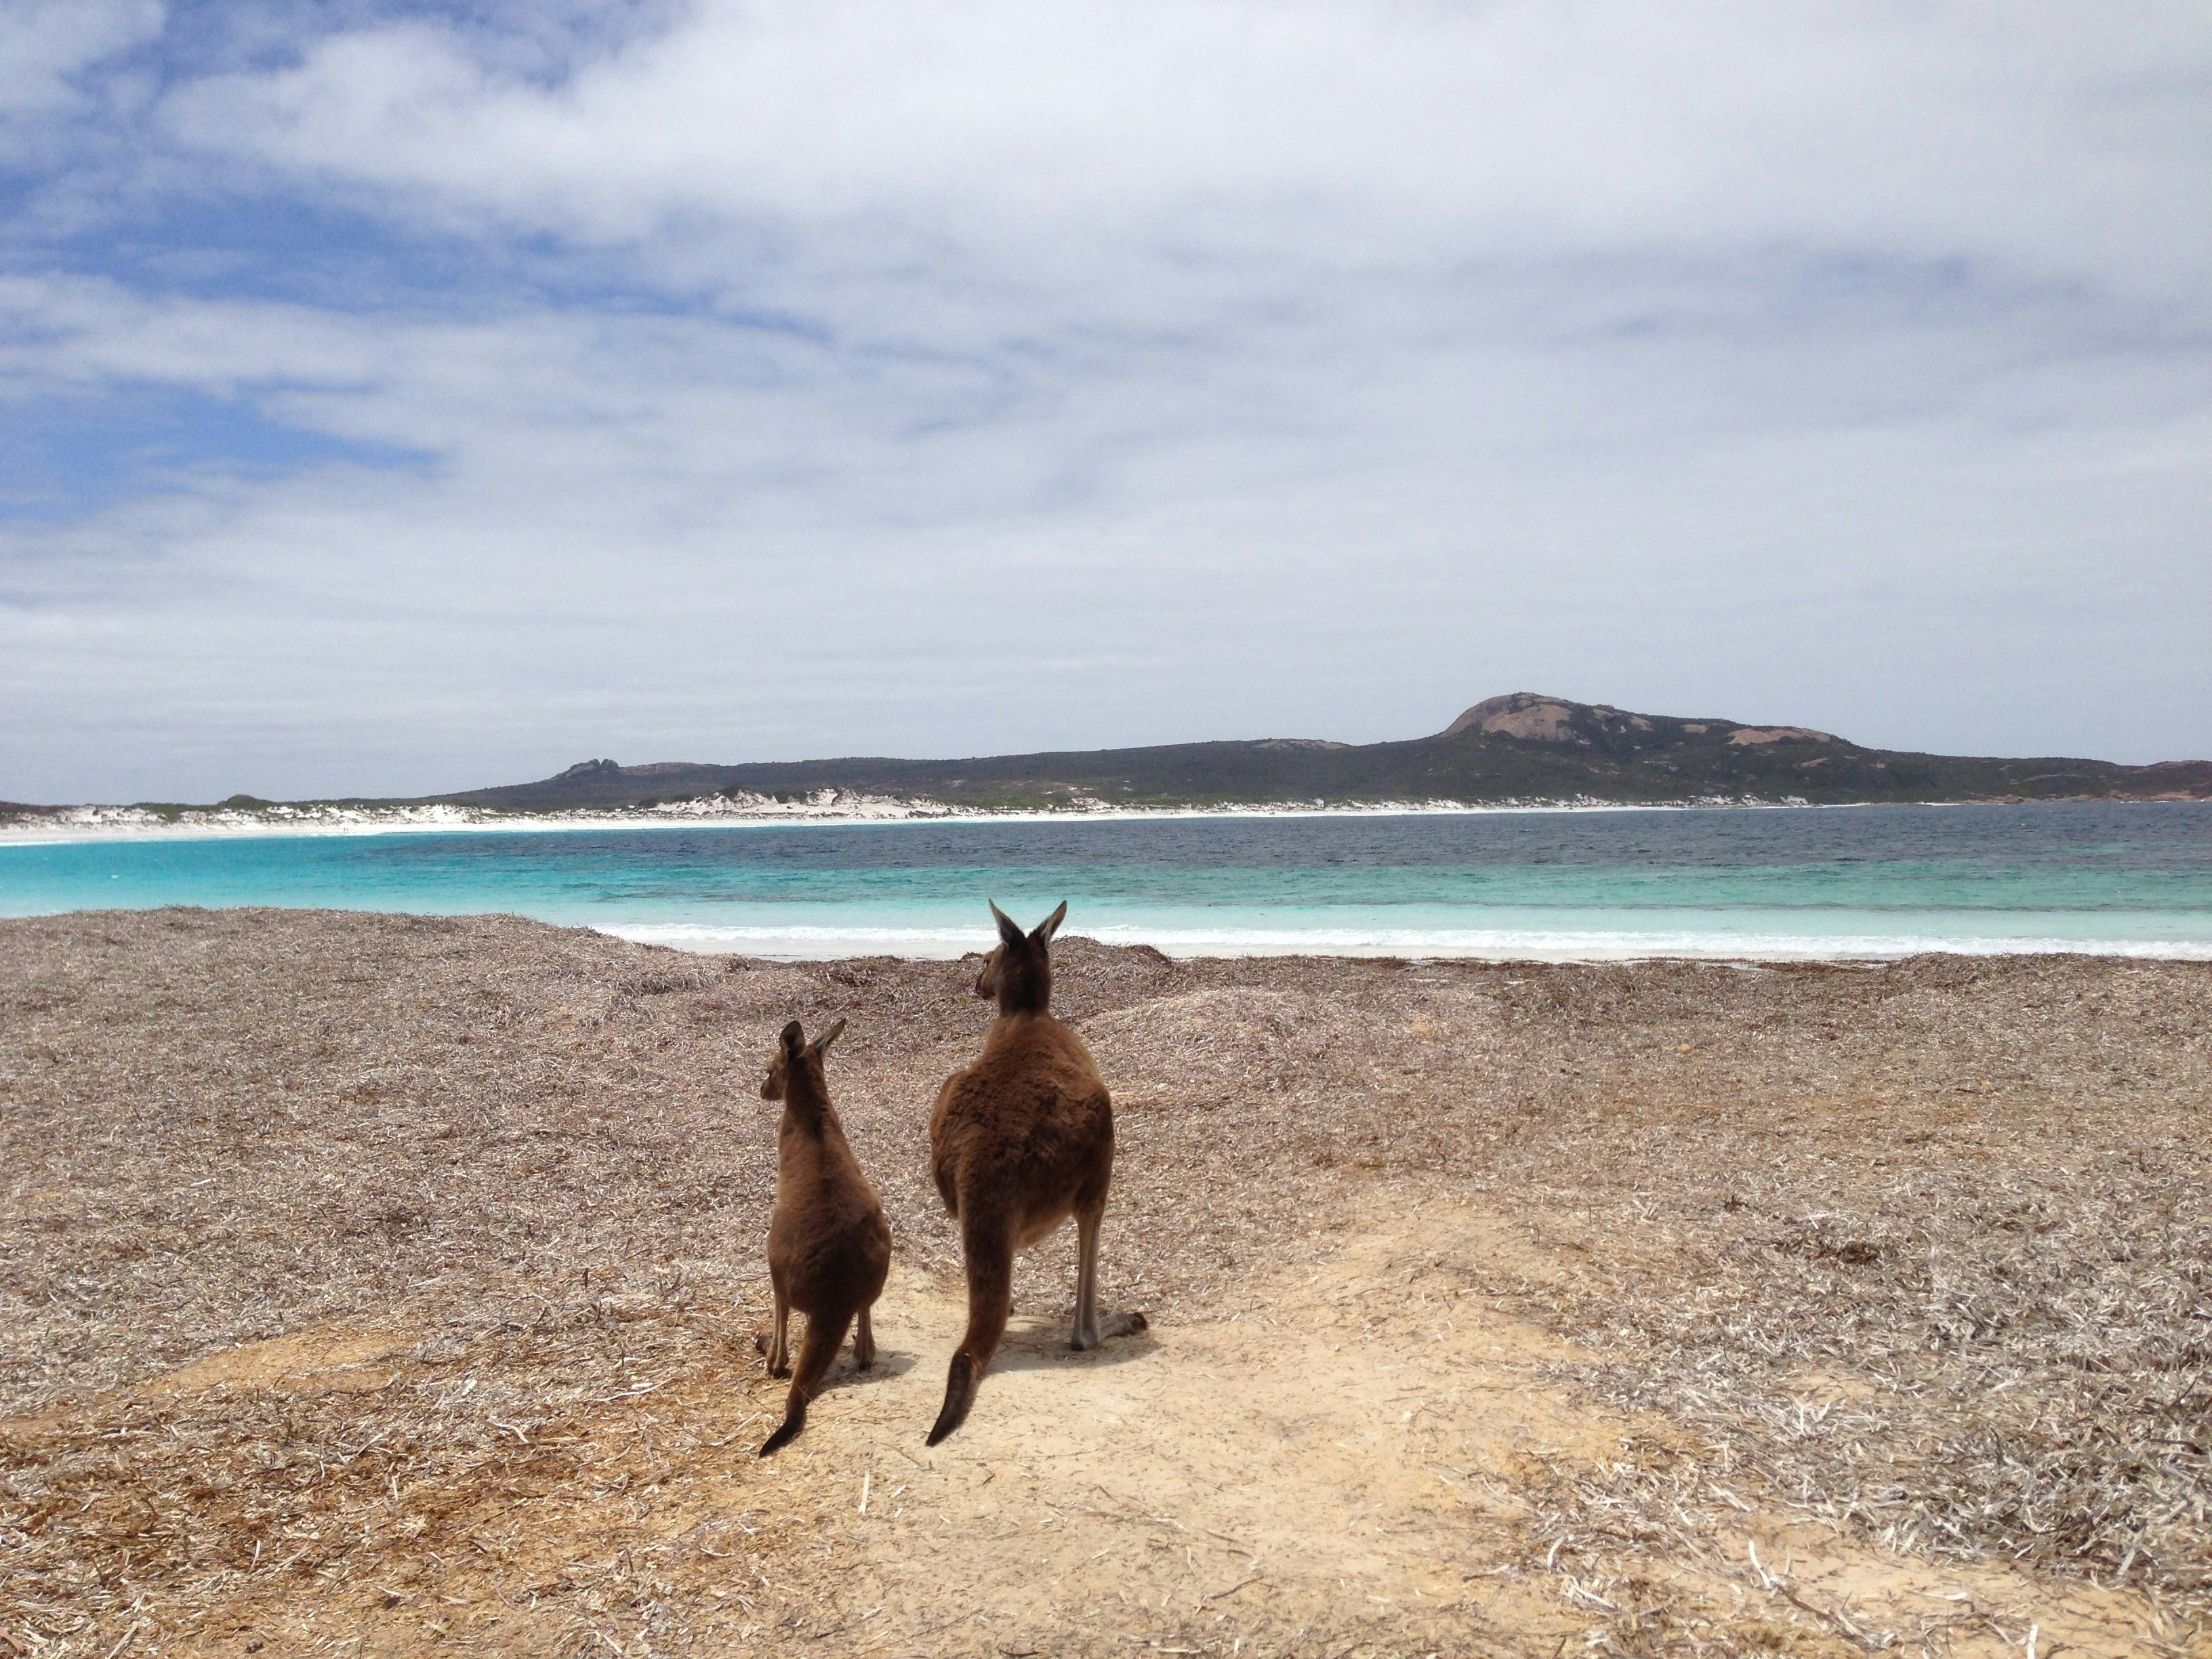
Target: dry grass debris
column 1914, row 1256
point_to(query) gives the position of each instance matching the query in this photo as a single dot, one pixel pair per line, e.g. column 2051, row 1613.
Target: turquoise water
column 1850, row 882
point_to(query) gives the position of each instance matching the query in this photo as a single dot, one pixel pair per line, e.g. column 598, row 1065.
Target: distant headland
column 1523, row 749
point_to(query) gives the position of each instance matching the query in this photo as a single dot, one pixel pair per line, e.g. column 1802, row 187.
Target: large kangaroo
column 1019, row 1141
column 828, row 1248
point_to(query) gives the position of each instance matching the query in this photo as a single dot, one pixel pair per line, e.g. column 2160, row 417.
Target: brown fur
column 829, row 1247
column 1019, row 1141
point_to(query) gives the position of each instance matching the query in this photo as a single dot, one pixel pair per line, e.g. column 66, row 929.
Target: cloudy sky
column 400, row 396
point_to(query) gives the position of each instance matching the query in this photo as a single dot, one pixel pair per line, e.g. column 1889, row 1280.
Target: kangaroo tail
column 824, row 1335
column 990, row 1250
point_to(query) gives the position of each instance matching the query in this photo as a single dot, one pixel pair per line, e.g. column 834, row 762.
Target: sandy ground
column 376, row 1285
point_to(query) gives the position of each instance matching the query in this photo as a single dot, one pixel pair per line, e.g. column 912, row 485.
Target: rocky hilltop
column 1523, row 746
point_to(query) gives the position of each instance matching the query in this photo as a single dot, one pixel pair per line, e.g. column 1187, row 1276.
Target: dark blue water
column 1863, row 881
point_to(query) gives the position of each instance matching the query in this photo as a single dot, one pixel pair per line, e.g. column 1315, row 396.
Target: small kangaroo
column 828, row 1248
column 1019, row 1141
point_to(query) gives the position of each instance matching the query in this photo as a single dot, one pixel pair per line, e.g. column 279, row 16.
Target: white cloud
column 1347, row 136
column 990, row 377
column 650, row 538
column 44, row 44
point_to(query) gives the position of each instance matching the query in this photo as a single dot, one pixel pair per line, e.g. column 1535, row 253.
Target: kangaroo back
column 829, row 1247
column 1020, row 1141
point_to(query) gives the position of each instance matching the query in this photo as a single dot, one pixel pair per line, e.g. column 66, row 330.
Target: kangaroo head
column 794, row 1054
column 1018, row 974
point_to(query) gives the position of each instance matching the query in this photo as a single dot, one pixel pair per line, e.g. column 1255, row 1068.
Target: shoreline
column 79, row 825
column 1749, row 953
column 918, row 946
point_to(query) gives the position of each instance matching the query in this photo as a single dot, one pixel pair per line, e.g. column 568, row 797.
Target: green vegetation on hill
column 1521, row 746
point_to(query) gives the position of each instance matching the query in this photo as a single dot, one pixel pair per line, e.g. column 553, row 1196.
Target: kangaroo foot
column 1121, row 1324
column 761, row 1345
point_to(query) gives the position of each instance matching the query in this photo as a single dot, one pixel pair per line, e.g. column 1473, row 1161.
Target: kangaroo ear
column 1009, row 929
column 794, row 1039
column 1050, row 925
column 822, row 1043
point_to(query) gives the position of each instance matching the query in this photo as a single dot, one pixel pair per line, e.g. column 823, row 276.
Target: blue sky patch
column 65, row 458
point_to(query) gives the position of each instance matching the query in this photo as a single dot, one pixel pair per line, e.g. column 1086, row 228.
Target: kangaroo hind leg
column 779, row 1347
column 1087, row 1222
column 1089, row 1329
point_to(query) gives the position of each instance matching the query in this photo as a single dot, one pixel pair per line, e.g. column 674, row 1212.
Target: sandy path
column 1363, row 1456
column 1353, row 1461
column 1251, row 1484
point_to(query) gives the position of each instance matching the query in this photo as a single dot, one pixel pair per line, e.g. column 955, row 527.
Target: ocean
column 2131, row 879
